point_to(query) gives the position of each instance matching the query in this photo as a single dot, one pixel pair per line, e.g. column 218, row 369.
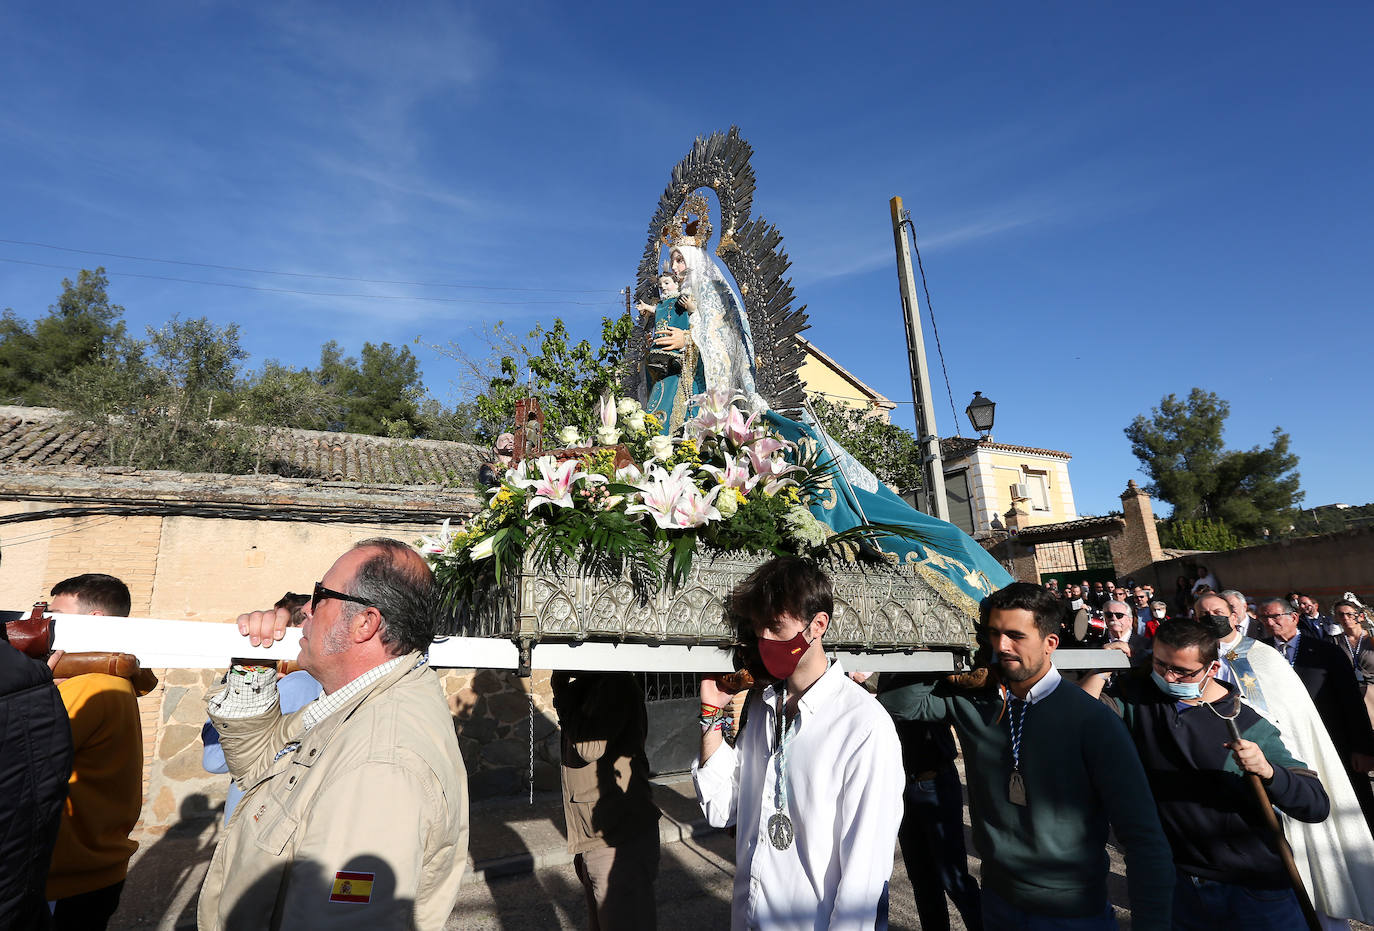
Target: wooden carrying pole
column 932, row 468
column 1278, row 841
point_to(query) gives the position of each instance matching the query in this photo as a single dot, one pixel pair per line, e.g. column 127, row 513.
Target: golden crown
column 691, row 225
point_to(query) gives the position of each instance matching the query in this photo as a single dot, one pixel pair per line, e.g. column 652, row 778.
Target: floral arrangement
column 727, row 483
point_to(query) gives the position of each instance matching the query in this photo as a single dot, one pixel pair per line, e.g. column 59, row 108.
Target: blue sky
column 1113, row 203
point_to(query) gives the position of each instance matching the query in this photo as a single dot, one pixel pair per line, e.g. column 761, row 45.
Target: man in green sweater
column 1049, row 770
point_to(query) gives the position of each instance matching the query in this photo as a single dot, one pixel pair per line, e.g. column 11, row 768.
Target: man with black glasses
column 1121, row 632
column 354, row 811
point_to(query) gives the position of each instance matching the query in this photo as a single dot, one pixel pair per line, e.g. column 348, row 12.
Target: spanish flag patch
column 352, row 887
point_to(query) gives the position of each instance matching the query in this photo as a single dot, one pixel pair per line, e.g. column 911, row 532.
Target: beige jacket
column 363, row 825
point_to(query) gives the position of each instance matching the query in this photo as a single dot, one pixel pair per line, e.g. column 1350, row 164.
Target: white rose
column 727, row 503
column 661, row 446
column 627, row 407
column 607, row 436
column 569, row 436
column 635, row 421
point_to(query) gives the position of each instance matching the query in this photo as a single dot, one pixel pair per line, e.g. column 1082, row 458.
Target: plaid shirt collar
column 325, row 705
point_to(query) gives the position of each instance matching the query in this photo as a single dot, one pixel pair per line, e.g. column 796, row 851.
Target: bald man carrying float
column 354, row 812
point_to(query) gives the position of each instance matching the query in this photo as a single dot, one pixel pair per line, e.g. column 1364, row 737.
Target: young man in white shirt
column 814, row 782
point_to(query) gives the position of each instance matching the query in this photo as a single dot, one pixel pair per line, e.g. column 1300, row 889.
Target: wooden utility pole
column 932, row 499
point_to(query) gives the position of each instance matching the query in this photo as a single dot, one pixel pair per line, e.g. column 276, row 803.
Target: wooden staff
column 1278, row 841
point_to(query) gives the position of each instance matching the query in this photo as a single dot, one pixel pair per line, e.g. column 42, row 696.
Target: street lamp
column 980, row 413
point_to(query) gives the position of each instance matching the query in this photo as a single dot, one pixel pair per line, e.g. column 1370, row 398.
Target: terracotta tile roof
column 1070, row 528
column 958, row 445
column 35, row 437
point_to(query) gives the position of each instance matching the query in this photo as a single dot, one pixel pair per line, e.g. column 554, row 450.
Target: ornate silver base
column 876, row 607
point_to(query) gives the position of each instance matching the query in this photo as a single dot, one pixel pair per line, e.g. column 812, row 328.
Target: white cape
column 1336, row 857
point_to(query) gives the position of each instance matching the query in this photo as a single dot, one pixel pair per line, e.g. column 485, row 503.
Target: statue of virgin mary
column 719, row 354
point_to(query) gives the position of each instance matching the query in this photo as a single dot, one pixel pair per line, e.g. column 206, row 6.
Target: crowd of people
column 351, row 799
column 1184, row 758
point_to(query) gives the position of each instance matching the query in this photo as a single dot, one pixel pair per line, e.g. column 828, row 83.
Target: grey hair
column 399, row 583
column 1281, row 602
column 1113, row 601
column 1231, row 593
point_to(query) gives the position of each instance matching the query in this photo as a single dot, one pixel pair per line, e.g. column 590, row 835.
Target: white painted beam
column 181, row 644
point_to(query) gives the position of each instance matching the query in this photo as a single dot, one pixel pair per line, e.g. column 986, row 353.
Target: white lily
column 433, row 546
column 483, row 549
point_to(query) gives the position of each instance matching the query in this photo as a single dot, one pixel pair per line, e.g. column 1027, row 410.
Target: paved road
column 693, row 888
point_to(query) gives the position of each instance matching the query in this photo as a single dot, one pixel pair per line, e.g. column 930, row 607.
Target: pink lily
column 766, row 446
column 735, row 474
column 738, row 430
column 606, row 410
column 660, row 495
column 695, row 509
column 554, row 484
column 770, row 468
column 713, row 410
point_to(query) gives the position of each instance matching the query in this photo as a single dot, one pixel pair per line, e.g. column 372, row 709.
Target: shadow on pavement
column 165, row 876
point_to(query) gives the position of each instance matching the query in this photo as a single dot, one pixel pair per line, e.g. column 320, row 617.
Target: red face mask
column 780, row 657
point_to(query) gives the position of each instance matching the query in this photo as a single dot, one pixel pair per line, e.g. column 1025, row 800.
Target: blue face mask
column 1183, row 691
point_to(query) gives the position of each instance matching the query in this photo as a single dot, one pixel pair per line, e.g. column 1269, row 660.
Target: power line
column 373, row 297
column 268, row 271
column 40, row 537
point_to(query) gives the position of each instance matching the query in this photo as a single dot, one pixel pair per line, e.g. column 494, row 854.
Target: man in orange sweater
column 105, row 794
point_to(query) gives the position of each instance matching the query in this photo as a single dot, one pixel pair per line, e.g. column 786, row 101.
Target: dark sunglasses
column 322, row 593
column 1116, row 614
